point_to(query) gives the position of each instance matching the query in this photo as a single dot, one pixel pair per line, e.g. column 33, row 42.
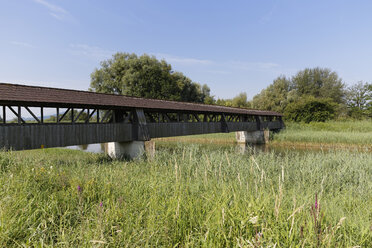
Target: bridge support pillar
column 129, row 150
column 255, row 137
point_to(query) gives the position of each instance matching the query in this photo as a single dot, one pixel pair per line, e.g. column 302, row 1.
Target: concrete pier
column 129, row 150
column 255, row 137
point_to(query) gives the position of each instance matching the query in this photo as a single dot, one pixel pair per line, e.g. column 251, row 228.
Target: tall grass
column 186, row 197
column 364, row 126
column 325, row 137
column 334, row 132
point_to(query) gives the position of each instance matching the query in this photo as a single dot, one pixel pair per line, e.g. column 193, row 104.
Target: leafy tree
column 316, row 83
column 320, row 83
column 206, row 93
column 224, row 102
column 309, row 108
column 369, row 104
column 239, row 101
column 144, row 76
column 358, row 98
column 275, row 97
column 190, row 91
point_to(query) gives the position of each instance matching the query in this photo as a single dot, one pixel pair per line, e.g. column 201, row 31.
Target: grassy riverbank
column 186, row 197
column 214, row 138
column 328, row 134
column 335, row 132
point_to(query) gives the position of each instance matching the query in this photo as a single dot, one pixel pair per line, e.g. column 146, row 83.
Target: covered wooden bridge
column 37, row 117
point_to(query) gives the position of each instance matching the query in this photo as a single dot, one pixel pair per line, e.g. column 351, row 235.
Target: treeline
column 316, row 94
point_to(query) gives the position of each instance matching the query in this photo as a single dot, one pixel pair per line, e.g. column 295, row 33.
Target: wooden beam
column 77, row 117
column 63, row 116
column 4, row 114
column 88, row 116
column 108, row 112
column 258, row 122
column 17, row 114
column 31, row 113
column 140, row 129
column 42, row 115
column 72, row 115
column 57, row 115
column 166, row 117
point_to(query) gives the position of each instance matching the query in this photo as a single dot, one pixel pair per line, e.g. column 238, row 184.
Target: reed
column 186, row 197
column 340, row 133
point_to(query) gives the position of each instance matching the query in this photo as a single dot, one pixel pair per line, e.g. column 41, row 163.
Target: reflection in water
column 251, row 148
column 83, row 147
column 102, row 148
column 95, row 148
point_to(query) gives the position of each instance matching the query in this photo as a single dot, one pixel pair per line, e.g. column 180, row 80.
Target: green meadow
column 186, row 196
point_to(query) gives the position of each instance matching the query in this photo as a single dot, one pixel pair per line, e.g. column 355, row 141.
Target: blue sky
column 233, row 46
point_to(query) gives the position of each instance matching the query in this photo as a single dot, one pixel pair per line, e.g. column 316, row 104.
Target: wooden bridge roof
column 53, row 97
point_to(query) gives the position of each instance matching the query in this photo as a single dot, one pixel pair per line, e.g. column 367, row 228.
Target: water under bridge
column 40, row 117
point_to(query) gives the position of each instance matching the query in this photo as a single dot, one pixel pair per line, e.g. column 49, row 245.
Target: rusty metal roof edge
column 223, row 109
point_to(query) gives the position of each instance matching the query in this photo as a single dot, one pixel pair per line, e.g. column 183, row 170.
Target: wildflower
column 101, row 204
column 78, row 188
column 253, row 220
column 316, row 201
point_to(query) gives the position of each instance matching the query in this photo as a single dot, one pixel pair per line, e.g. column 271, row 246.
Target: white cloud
column 218, row 67
column 21, row 44
column 89, row 51
column 55, row 11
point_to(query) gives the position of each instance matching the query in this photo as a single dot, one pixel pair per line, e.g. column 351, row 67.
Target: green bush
column 309, row 109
